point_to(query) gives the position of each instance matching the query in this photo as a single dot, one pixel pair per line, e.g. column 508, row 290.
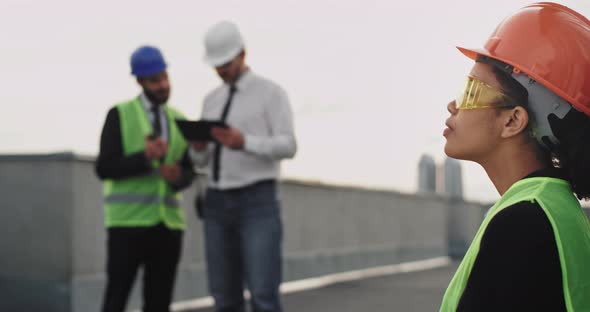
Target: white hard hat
column 223, row 42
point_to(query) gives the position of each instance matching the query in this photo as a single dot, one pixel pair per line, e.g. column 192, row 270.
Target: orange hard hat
column 551, row 44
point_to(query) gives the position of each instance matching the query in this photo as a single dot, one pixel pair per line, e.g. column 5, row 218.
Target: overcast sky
column 368, row 80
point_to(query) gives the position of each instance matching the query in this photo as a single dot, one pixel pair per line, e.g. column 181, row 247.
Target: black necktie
column 217, row 151
column 156, row 124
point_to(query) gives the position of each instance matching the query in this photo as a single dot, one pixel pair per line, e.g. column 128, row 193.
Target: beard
column 157, row 97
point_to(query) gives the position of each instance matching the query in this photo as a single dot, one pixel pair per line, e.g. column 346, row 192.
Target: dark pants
column 155, row 248
column 243, row 235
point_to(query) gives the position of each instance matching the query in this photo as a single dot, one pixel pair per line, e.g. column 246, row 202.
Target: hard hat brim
column 223, row 59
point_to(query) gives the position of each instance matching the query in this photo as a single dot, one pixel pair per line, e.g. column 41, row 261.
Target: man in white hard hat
column 241, row 212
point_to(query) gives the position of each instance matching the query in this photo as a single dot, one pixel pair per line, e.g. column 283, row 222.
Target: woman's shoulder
column 523, row 223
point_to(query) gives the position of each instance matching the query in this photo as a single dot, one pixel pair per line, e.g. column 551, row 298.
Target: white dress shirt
column 147, row 105
column 260, row 109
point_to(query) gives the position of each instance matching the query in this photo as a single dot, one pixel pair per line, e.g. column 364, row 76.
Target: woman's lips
column 448, row 129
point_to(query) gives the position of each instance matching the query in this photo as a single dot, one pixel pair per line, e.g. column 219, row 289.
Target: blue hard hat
column 147, row 60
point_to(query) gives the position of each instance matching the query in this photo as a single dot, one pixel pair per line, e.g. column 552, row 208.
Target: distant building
column 453, row 179
column 426, row 175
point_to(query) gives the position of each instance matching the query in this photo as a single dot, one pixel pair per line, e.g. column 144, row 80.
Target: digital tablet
column 199, row 130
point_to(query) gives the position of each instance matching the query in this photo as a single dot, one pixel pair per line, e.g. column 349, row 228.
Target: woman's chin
column 452, row 152
column 448, row 150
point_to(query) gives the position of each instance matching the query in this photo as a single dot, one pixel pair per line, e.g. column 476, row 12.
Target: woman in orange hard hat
column 524, row 116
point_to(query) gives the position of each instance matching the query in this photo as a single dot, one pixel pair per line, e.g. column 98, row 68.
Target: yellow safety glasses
column 478, row 94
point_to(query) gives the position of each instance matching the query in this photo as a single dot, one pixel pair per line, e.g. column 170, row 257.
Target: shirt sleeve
column 111, row 163
column 281, row 143
column 517, row 267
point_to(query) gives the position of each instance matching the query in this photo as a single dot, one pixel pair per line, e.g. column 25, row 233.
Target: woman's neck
column 508, row 165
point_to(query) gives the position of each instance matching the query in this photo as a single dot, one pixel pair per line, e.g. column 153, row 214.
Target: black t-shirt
column 517, row 268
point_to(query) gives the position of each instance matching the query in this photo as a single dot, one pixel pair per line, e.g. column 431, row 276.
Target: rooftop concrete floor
column 417, row 291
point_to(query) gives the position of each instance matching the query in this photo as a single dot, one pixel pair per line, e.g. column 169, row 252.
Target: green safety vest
column 144, row 200
column 571, row 229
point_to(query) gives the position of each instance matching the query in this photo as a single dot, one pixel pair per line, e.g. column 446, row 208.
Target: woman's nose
column 452, row 107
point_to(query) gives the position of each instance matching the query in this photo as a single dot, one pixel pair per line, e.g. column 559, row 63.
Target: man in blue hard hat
column 143, row 163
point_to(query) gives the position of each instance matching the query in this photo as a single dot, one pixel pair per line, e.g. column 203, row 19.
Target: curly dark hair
column 572, row 154
column 573, row 151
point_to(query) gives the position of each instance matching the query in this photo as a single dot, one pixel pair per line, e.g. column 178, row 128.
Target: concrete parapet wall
column 53, row 242
column 331, row 229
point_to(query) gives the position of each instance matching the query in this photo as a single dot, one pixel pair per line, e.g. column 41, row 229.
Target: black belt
column 269, row 182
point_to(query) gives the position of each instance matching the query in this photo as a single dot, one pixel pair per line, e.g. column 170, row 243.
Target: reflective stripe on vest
column 140, row 199
column 147, row 199
column 571, row 230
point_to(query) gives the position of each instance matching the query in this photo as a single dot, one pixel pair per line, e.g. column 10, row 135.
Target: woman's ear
column 515, row 121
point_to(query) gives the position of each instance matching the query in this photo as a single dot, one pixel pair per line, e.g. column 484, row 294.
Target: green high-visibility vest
column 144, row 200
column 570, row 228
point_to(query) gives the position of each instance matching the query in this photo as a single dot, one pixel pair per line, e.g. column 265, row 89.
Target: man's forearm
column 187, row 174
column 123, row 166
column 111, row 162
column 277, row 147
